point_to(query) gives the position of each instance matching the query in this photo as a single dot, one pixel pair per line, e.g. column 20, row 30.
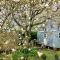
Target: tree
column 24, row 13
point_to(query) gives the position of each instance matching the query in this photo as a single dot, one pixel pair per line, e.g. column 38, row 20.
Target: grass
column 50, row 55
column 1, row 56
column 31, row 54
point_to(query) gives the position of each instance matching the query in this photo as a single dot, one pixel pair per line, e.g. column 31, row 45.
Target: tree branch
column 36, row 12
column 5, row 19
column 38, row 23
column 17, row 21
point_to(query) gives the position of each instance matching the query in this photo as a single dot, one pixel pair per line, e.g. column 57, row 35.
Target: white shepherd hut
column 49, row 34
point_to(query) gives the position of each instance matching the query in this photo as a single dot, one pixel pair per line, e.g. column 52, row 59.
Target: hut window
column 45, row 35
column 59, row 35
column 51, row 26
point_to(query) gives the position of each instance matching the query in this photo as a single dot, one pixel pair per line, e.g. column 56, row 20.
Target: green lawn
column 50, row 55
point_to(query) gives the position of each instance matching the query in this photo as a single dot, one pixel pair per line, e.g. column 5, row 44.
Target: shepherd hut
column 49, row 34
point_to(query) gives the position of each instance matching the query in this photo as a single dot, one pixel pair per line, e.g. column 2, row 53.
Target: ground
column 50, row 55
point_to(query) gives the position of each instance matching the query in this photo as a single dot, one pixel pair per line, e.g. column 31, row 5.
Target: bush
column 43, row 57
column 33, row 35
column 56, row 57
column 24, row 52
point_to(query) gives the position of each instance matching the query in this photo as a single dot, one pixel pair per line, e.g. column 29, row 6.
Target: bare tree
column 24, row 13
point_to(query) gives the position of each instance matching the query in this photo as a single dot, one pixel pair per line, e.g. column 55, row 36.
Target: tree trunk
column 26, row 39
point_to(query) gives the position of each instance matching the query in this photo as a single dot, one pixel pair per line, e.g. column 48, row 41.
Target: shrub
column 24, row 52
column 56, row 57
column 33, row 35
column 43, row 57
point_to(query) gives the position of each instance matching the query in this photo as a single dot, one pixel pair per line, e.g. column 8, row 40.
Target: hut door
column 40, row 37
